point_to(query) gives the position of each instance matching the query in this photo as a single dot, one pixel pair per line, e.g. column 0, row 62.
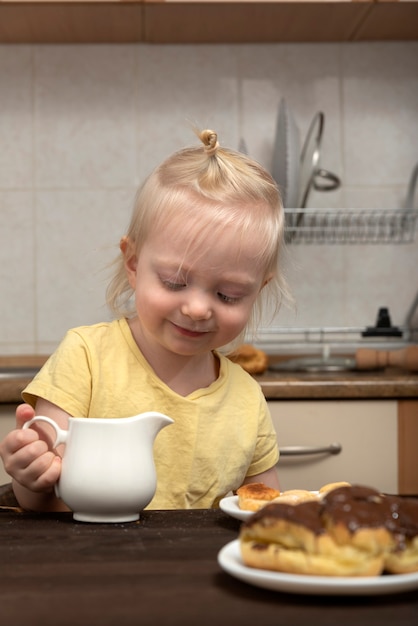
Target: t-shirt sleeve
column 266, row 453
column 65, row 379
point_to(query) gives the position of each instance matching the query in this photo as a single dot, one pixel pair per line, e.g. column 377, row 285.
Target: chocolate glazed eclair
column 352, row 531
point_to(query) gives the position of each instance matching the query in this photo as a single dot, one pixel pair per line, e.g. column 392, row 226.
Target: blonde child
column 202, row 247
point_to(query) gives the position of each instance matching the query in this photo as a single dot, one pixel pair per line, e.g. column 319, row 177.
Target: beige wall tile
column 16, row 107
column 380, row 91
column 77, row 235
column 180, row 87
column 17, row 272
column 85, row 116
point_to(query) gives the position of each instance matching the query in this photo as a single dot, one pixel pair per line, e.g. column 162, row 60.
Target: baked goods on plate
column 253, row 496
column 296, row 496
column 229, row 559
column 350, row 531
column 330, row 486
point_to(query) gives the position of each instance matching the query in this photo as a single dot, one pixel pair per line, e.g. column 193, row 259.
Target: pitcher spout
column 153, row 422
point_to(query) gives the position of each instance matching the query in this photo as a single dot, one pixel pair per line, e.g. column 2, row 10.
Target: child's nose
column 197, row 307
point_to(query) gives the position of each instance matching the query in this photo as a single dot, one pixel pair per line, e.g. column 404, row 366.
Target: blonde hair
column 208, row 188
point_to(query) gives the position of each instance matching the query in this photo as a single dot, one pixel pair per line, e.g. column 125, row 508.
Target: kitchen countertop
column 12, row 386
column 390, row 383
column 160, row 570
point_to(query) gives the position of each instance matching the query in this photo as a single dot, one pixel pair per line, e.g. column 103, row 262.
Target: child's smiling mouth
column 187, row 332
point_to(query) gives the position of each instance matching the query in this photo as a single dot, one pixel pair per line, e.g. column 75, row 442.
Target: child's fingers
column 24, row 413
column 41, row 474
column 13, row 443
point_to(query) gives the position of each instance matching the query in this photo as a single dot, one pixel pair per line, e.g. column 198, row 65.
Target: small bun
column 295, row 496
column 210, row 141
column 251, row 359
column 253, row 496
column 331, row 486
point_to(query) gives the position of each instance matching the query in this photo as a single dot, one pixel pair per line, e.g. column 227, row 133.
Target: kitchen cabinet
column 407, row 446
column 378, row 440
column 206, row 21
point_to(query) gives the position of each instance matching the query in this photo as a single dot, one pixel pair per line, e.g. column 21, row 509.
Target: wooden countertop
column 387, row 384
column 12, row 387
column 391, row 383
column 160, row 570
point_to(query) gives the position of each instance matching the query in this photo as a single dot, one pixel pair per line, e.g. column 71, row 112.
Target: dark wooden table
column 159, row 571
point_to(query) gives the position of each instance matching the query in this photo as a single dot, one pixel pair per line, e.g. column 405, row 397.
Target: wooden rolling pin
column 405, row 358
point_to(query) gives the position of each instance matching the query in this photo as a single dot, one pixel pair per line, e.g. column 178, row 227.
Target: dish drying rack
column 350, row 226
column 324, row 340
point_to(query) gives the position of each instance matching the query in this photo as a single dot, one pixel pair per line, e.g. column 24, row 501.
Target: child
column 202, row 246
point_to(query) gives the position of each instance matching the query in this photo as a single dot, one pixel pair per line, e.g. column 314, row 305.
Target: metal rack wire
column 326, row 340
column 350, row 226
column 335, row 334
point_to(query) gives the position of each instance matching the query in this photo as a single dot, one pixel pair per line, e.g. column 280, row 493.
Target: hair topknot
column 208, row 188
column 209, row 138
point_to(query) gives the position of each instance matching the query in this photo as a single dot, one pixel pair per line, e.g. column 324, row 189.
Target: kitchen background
column 82, row 125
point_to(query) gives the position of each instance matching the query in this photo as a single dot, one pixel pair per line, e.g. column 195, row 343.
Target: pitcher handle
column 61, row 434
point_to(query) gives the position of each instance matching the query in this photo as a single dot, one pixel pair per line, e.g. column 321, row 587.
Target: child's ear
column 129, row 254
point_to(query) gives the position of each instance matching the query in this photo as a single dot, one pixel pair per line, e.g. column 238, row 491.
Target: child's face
column 193, row 302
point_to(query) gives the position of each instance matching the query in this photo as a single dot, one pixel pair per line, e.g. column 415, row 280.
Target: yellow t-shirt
column 221, row 434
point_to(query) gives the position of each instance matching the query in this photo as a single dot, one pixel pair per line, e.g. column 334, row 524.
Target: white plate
column 230, row 506
column 286, row 156
column 229, row 558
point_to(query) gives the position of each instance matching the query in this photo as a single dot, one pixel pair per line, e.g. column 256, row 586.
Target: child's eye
column 173, row 286
column 228, row 299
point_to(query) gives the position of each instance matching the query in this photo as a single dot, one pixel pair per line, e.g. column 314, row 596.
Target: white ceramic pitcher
column 108, row 472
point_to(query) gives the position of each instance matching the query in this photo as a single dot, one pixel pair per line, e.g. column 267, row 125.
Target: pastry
column 253, row 496
column 330, row 486
column 292, row 539
column 358, row 516
column 296, row 496
column 251, row 359
column 350, row 531
column 403, row 558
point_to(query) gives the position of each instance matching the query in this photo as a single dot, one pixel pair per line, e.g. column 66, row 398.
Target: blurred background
column 82, row 125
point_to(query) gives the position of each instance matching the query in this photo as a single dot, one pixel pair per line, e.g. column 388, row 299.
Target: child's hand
column 27, row 457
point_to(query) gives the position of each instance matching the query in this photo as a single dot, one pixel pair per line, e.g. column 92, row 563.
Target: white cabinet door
column 7, row 423
column 366, row 430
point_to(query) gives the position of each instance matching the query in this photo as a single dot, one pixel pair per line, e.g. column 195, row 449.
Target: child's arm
column 269, row 478
column 29, row 458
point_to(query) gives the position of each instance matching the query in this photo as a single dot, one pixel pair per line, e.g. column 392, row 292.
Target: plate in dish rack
column 229, row 559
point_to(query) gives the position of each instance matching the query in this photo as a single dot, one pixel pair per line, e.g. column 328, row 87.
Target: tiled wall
column 80, row 127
